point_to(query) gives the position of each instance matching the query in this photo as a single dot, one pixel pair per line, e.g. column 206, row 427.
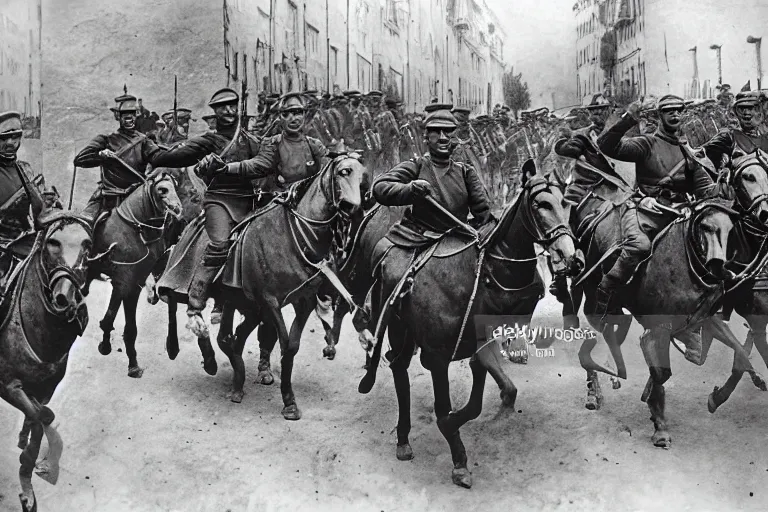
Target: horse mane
column 505, row 219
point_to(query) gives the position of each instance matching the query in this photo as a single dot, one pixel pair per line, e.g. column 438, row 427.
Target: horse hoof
column 28, row 502
column 712, row 402
column 105, row 348
column 404, row 452
column 196, row 324
column 616, row 383
column 135, row 372
column 210, row 366
column 366, row 383
column 462, row 477
column 237, row 396
column 759, row 382
column 291, row 412
column 592, row 403
column 508, row 397
column 265, row 377
column 366, row 339
column 172, row 349
column 662, row 439
column 329, row 353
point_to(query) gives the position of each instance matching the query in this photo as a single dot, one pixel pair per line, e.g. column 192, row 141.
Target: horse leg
column 571, row 308
column 129, row 335
column 107, row 323
column 399, row 367
column 24, row 434
column 655, row 345
column 756, row 336
column 267, row 339
column 741, row 357
column 172, row 340
column 225, row 338
column 489, row 356
column 332, row 333
column 27, row 460
column 447, row 425
column 288, row 348
column 594, row 399
column 238, row 366
column 209, row 356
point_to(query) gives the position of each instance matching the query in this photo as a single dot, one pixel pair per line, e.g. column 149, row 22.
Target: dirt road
column 172, row 441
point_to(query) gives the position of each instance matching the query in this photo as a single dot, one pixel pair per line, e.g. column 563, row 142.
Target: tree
column 516, row 93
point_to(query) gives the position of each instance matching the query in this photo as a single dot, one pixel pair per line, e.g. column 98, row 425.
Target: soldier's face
column 461, row 117
column 9, row 146
column 293, row 120
column 749, row 116
column 670, row 119
column 128, row 120
column 439, row 141
column 226, row 115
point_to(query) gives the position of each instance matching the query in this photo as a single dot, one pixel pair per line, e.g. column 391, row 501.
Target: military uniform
column 735, row 143
column 133, row 148
column 20, row 200
column 666, row 170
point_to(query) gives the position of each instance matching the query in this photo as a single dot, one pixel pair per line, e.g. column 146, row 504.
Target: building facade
column 632, row 48
column 413, row 49
column 20, row 47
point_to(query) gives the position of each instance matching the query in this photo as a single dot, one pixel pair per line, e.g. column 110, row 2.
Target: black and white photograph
column 383, row 255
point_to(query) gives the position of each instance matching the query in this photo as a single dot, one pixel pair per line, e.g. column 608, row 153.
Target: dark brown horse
column 135, row 236
column 446, row 311
column 671, row 297
column 43, row 314
column 275, row 262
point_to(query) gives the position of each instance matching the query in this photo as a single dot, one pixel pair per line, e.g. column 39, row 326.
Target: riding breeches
column 636, row 246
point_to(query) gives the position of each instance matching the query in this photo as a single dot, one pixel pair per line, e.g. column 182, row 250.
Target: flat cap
column 209, row 116
column 747, row 99
column 434, row 107
column 292, row 101
column 223, row 96
column 352, row 93
column 441, row 118
column 461, row 110
column 375, row 94
column 10, row 124
column 670, row 102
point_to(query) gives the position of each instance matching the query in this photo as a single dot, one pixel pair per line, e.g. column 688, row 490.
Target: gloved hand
column 422, row 188
column 210, row 165
column 107, row 154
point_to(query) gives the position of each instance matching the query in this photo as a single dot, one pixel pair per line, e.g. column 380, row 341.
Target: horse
column 43, row 313
column 749, row 299
column 670, row 297
column 274, row 262
column 135, row 236
column 460, row 285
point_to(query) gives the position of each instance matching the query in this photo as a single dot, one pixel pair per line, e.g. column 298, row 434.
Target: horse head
column 711, row 223
column 346, row 175
column 750, row 183
column 163, row 192
column 64, row 257
column 548, row 225
column 190, row 190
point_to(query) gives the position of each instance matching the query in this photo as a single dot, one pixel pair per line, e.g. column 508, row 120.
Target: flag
column 665, row 51
column 747, row 86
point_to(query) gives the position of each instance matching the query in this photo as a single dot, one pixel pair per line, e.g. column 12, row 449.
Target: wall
column 20, row 56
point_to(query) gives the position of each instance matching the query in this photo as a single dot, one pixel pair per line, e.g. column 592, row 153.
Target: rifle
column 72, row 188
column 175, row 104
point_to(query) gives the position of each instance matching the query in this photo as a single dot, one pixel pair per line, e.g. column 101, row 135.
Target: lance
column 175, row 104
column 72, row 187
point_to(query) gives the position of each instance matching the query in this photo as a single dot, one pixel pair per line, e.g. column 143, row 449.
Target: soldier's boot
column 605, row 305
column 91, row 213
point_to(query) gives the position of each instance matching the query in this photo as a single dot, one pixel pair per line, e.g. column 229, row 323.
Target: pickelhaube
column 10, row 124
column 223, row 96
column 128, row 105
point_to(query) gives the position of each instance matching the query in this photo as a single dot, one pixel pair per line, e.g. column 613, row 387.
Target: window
column 311, row 40
column 292, row 28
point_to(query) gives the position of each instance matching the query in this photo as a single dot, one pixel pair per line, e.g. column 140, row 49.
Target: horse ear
column 528, row 170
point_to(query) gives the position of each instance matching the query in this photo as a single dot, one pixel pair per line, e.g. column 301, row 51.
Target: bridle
column 533, row 187
column 758, row 160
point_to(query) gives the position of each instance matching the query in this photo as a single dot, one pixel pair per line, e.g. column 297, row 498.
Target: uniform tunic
column 291, row 159
column 17, row 195
column 656, row 156
column 234, row 194
column 457, row 187
column 133, row 147
column 734, row 143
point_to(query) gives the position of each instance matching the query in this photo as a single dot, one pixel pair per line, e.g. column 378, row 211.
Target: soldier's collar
column 669, row 138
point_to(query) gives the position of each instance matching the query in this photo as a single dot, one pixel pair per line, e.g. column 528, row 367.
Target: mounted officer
column 122, row 158
column 667, row 169
column 454, row 185
column 730, row 144
column 229, row 197
column 21, row 202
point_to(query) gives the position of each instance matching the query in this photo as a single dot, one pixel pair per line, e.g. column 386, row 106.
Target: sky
column 540, row 44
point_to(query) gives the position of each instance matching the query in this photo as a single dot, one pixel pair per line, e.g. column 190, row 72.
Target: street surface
column 172, row 441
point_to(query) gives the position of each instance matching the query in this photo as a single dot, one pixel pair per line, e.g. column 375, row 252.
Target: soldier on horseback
column 122, row 157
column 731, row 144
column 667, row 170
column 20, row 200
column 453, row 185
